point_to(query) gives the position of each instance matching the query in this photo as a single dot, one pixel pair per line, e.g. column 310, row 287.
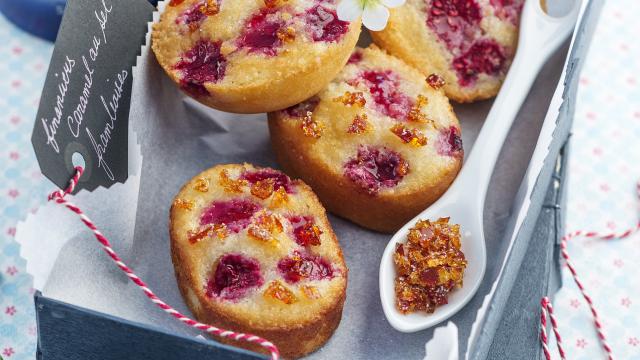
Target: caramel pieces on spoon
column 428, row 266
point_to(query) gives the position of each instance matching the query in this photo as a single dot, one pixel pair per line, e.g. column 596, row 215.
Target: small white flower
column 375, row 13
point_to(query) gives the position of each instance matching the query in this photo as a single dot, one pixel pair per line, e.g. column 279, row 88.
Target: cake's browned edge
column 292, row 341
column 383, row 213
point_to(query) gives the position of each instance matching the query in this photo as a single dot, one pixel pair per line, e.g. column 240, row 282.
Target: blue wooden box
column 68, row 332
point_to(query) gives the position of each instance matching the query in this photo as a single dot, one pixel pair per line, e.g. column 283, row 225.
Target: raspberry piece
column 384, row 88
column 305, row 230
column 203, row 63
column 355, row 58
column 450, row 142
column 280, row 180
column 263, row 32
column 324, row 24
column 454, row 21
column 508, row 9
column 234, row 276
column 235, row 214
column 299, row 266
column 484, row 56
column 373, row 169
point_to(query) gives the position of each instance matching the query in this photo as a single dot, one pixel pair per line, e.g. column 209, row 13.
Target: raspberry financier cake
column 252, row 56
column 253, row 251
column 378, row 145
column 469, row 42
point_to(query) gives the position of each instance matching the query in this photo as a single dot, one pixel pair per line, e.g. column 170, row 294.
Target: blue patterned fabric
column 22, row 188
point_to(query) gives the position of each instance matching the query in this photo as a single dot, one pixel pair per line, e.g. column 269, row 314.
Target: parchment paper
column 179, row 138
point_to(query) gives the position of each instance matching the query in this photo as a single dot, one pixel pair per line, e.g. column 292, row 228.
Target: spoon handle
column 478, row 168
column 540, row 35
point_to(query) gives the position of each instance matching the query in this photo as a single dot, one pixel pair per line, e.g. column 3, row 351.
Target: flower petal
column 375, row 17
column 392, row 3
column 349, row 10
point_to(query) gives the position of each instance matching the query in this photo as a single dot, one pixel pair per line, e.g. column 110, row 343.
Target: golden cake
column 378, row 145
column 252, row 56
column 468, row 42
column 254, row 252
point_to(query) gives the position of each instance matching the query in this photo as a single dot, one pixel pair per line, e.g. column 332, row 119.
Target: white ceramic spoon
column 540, row 36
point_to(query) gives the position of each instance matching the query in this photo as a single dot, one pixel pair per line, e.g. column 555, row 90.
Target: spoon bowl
column 540, row 35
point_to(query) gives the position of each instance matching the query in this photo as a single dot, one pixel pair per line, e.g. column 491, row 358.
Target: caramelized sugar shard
column 310, row 127
column 409, row 136
column 184, row 204
column 416, row 114
column 359, row 124
column 352, row 99
column 229, row 184
column 210, row 7
column 435, row 81
column 287, row 34
column 278, row 291
column 403, row 167
column 208, row 231
column 201, row 185
column 429, row 266
column 310, row 292
column 264, row 227
column 263, row 188
column 280, row 197
column 305, row 230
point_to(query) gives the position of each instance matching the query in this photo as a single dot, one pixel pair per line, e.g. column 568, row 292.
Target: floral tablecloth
column 603, row 170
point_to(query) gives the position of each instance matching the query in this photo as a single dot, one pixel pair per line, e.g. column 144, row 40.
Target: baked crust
column 253, row 82
column 408, row 37
column 296, row 329
column 320, row 161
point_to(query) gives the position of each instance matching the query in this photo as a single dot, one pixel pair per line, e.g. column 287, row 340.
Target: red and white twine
column 59, row 197
column 546, row 303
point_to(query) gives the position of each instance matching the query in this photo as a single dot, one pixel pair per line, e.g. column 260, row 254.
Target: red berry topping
column 373, row 168
column 508, row 9
column 305, row 230
column 203, row 63
column 235, row 214
column 193, row 17
column 457, row 24
column 454, row 21
column 383, row 86
column 299, row 266
column 355, row 58
column 324, row 24
column 234, row 276
column 484, row 56
column 301, row 109
column 280, row 180
column 261, row 32
column 450, row 142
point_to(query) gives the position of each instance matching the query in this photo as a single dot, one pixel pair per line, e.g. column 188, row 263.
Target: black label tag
column 84, row 106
